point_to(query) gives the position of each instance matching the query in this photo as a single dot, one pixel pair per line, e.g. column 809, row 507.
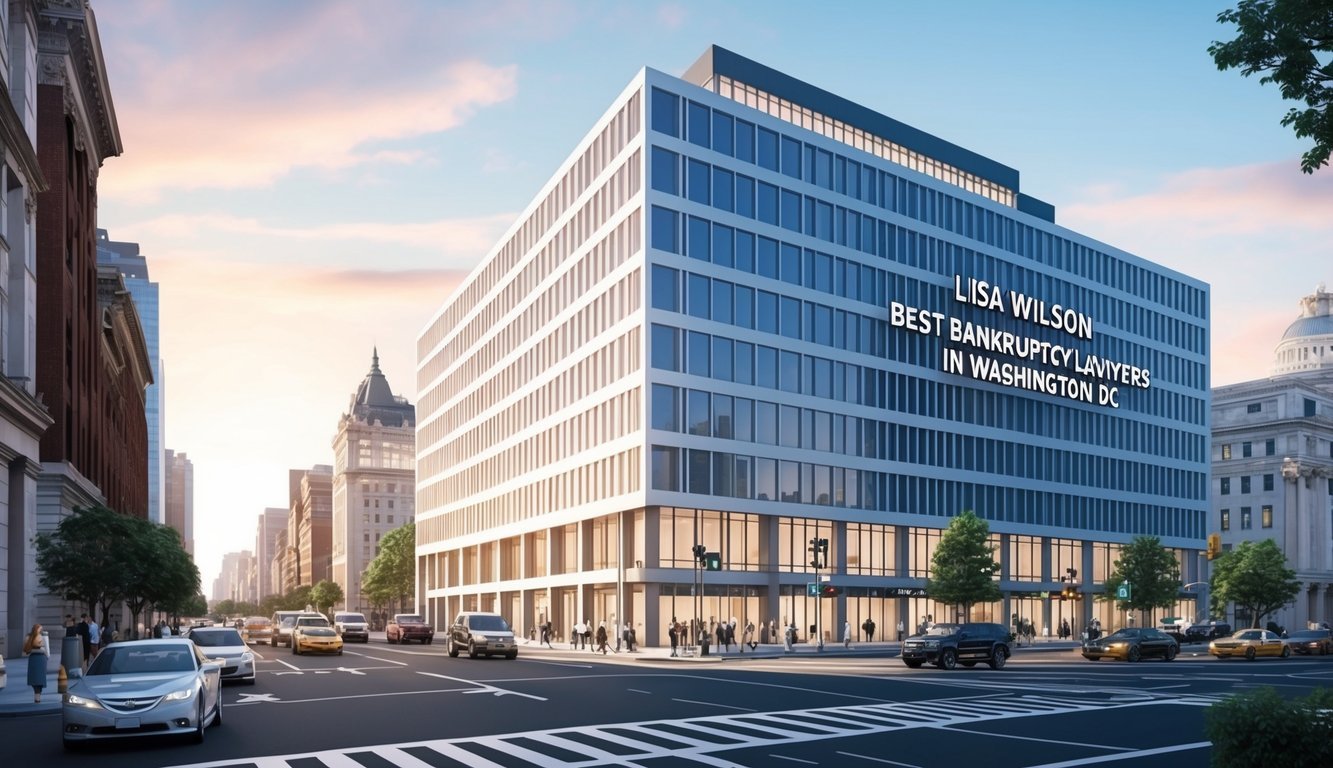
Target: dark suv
column 408, row 626
column 481, row 633
column 1205, row 631
column 947, row 645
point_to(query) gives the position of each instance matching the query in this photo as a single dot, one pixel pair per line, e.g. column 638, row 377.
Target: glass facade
column 832, row 341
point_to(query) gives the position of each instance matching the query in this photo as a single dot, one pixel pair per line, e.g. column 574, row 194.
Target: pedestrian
column 789, row 637
column 900, row 630
column 748, row 637
column 673, row 635
column 868, row 629
column 720, row 631
column 601, row 637
column 85, row 637
column 587, row 634
column 846, row 633
column 35, row 645
column 70, row 629
column 625, row 635
column 633, row 638
column 94, row 636
column 166, row 628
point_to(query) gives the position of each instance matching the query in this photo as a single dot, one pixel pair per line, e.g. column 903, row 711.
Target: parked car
column 947, row 645
column 282, row 622
column 1132, row 644
column 226, row 645
column 351, row 626
column 482, row 634
column 1250, row 643
column 314, row 634
column 1311, row 641
column 257, row 629
column 162, row 687
column 408, row 626
column 1207, row 630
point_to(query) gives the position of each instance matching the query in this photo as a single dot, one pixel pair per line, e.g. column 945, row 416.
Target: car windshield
column 318, row 632
column 942, row 629
column 132, row 659
column 351, row 618
column 257, row 622
column 1123, row 634
column 311, row 621
column 489, row 623
column 215, row 638
column 410, row 620
column 290, row 621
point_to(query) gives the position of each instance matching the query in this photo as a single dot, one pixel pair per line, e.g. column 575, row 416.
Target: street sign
column 712, row 561
column 1122, row 592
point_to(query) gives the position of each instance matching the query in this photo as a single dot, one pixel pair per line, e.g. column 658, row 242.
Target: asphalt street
column 380, row 705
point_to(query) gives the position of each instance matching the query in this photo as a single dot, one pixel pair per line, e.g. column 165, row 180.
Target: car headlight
column 180, row 695
column 248, row 657
column 75, row 700
column 1117, row 645
column 478, row 636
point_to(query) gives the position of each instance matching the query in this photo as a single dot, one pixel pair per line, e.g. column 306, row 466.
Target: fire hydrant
column 62, row 680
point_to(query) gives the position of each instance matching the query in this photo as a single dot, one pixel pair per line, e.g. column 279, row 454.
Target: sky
column 310, row 180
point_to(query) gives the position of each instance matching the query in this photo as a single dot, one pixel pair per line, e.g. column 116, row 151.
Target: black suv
column 948, row 645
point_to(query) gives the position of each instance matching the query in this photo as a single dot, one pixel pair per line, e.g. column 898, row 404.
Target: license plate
column 127, row 722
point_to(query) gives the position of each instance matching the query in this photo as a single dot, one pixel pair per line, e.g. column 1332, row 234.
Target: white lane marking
column 878, row 759
column 1128, row 755
column 636, row 690
column 793, row 759
column 289, row 666
column 348, row 697
column 251, row 698
column 714, row 704
column 484, row 687
column 376, row 658
column 951, row 728
column 555, row 663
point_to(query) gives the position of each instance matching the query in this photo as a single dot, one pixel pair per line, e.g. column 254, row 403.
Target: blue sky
column 311, row 179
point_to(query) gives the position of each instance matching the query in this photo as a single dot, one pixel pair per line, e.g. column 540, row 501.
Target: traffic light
column 1214, row 545
column 1070, row 593
column 819, row 553
column 712, row 561
column 812, row 589
column 828, row 590
column 699, row 552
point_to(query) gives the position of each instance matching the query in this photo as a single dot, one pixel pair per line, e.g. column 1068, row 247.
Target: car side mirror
column 74, row 673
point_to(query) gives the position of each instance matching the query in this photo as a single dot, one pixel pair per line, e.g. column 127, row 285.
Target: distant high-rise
column 272, row 522
column 308, row 557
column 133, row 268
column 179, row 495
column 373, row 482
column 233, row 581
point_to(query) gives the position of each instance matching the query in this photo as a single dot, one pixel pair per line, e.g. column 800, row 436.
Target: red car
column 408, row 626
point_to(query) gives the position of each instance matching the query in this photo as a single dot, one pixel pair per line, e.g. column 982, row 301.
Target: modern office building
column 373, row 478
column 23, row 417
column 748, row 314
column 178, row 490
column 308, row 553
column 133, row 268
column 233, row 581
column 1272, row 458
column 272, row 522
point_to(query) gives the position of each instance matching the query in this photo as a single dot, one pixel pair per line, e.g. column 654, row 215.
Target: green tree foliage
column 161, row 571
column 81, row 561
column 963, row 568
column 1255, row 577
column 1286, row 40
column 297, row 599
column 1262, row 728
column 1152, row 572
column 391, row 576
column 270, row 604
column 325, row 595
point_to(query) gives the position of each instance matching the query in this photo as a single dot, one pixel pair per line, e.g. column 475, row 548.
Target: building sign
column 986, row 353
column 906, row 591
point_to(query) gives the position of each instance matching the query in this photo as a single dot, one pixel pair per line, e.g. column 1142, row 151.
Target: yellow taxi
column 314, row 639
column 1250, row 643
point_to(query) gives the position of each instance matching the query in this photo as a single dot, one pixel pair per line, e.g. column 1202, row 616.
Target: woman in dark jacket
column 601, row 637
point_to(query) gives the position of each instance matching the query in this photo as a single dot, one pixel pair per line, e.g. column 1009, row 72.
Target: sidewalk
column 16, row 696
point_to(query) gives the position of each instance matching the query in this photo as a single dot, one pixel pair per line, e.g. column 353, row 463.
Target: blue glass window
column 666, row 288
column 722, row 415
column 698, row 351
column 745, row 141
column 744, row 251
column 823, row 169
column 698, row 118
column 724, row 190
column 766, row 367
column 722, row 132
column 768, row 149
column 722, row 291
column 723, row 358
column 789, row 426
column 697, row 184
column 722, row 247
column 768, row 258
column 723, row 477
column 791, row 157
column 766, row 423
column 743, row 370
column 742, row 422
column 666, row 171
column 790, row 321
column 666, row 408
column 698, row 301
column 700, row 239
column 791, row 210
column 791, row 264
column 665, row 350
column 699, row 462
column 823, row 221
column 823, row 376
column 745, row 196
column 789, row 371
column 768, row 203
column 789, row 481
column 823, row 273
column 823, row 331
column 765, row 479
column 766, row 312
column 664, row 225
column 698, row 421
column 666, row 112
column 666, row 466
column 743, row 308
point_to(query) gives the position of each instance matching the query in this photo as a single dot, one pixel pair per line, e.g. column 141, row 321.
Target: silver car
column 227, row 645
column 160, row 687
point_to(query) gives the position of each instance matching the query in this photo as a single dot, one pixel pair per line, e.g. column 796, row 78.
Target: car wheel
column 250, row 681
column 1171, row 653
column 471, row 650
column 199, row 724
column 1249, row 654
column 217, row 711
column 1093, row 658
column 296, row 651
column 948, row 658
column 340, row 651
column 1133, row 655
column 453, row 650
column 913, row 664
column 511, row 655
column 998, row 658
column 1286, row 651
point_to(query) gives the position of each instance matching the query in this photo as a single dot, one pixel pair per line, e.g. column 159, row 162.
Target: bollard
column 71, row 652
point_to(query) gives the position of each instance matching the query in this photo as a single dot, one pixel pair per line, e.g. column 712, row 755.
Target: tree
column 392, row 574
column 159, row 571
column 82, row 560
column 963, row 568
column 1286, row 39
column 1255, row 577
column 325, row 595
column 1152, row 572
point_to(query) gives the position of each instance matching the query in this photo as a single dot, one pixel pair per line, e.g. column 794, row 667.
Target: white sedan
column 226, row 645
column 163, row 687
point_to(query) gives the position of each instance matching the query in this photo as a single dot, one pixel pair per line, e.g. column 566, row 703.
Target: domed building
column 1272, row 460
column 1308, row 343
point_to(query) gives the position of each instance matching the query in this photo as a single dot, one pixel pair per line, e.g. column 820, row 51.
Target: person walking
column 85, row 638
column 900, row 630
column 846, row 634
column 868, row 629
column 35, row 645
column 601, row 637
column 70, row 629
column 673, row 635
column 94, row 636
